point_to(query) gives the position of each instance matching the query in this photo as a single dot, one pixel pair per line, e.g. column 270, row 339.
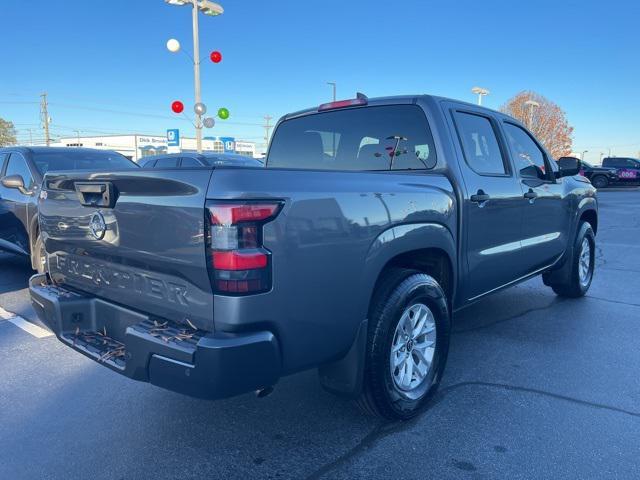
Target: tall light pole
column 333, row 84
column 78, row 137
column 531, row 104
column 481, row 92
column 582, row 154
column 211, row 9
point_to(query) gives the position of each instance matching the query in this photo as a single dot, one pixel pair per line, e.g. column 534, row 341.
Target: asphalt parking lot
column 536, row 387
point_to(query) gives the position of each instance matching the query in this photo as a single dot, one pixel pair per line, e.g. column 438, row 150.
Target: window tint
column 167, row 162
column 149, row 164
column 369, row 138
column 3, row 157
column 68, row 159
column 479, row 143
column 528, row 158
column 18, row 166
column 190, row 162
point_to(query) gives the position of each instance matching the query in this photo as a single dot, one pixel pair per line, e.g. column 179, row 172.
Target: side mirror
column 15, row 181
column 569, row 166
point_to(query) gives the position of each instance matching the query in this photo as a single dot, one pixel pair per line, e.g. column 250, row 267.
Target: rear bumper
column 167, row 354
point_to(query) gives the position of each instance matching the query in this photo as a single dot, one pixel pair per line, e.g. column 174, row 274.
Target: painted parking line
column 25, row 325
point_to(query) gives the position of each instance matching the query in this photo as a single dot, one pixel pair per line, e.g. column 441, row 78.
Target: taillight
column 239, row 263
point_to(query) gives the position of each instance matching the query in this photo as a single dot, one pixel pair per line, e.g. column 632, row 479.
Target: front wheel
column 582, row 264
column 600, row 181
column 407, row 344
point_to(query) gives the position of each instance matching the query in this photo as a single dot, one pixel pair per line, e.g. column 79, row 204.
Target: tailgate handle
column 96, row 194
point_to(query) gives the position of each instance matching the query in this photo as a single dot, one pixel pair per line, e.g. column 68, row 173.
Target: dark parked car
column 600, row 177
column 199, row 160
column 628, row 168
column 371, row 223
column 21, row 173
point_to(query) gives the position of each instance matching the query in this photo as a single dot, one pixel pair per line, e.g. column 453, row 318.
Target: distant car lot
column 186, row 160
column 536, row 387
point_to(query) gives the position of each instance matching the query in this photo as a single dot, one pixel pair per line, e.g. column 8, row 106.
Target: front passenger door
column 546, row 213
column 14, row 234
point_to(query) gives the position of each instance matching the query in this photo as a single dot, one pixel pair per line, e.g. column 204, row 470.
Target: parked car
column 372, row 222
column 199, row 160
column 628, row 168
column 600, row 177
column 21, row 173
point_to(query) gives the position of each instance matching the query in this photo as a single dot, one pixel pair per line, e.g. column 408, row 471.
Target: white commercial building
column 137, row 146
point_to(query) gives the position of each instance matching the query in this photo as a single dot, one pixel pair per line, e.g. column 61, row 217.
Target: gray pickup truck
column 372, row 223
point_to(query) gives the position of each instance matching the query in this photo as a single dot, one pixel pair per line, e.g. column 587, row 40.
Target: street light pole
column 333, row 84
column 532, row 104
column 480, row 92
column 582, row 154
column 196, row 74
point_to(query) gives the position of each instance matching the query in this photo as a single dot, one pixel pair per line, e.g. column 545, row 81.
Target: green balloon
column 223, row 113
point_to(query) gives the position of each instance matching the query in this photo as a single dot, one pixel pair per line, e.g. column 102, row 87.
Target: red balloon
column 216, row 56
column 177, row 106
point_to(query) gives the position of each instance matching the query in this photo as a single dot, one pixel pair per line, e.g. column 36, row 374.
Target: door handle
column 531, row 195
column 480, row 198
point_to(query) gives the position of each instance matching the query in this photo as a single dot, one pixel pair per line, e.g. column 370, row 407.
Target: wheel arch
column 425, row 247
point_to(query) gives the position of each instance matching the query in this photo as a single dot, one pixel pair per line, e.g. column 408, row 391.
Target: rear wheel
column 582, row 265
column 407, row 344
column 38, row 256
column 600, row 181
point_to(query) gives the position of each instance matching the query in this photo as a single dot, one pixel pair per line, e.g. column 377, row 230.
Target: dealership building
column 136, row 147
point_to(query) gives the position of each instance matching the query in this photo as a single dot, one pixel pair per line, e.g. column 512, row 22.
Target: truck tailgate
column 136, row 238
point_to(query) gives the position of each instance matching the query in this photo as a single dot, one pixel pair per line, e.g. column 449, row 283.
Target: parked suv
column 628, row 168
column 183, row 160
column 21, row 173
column 372, row 222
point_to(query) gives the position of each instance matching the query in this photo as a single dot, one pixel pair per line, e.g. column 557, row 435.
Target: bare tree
column 545, row 119
column 7, row 133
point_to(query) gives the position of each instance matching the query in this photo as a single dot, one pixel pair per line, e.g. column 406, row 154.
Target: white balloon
column 173, row 45
column 200, row 108
column 209, row 122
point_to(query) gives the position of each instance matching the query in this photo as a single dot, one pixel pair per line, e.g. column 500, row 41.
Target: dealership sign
column 173, row 137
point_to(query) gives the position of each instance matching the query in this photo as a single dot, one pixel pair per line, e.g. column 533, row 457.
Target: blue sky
column 106, row 69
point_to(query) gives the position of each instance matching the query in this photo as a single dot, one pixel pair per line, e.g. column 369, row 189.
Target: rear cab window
column 376, row 138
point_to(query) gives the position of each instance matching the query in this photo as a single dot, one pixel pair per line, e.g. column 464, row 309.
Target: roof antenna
column 361, row 96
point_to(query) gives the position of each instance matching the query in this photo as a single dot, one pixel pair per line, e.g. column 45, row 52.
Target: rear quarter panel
column 334, row 235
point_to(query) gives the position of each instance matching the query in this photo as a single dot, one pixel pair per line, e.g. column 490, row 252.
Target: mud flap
column 344, row 377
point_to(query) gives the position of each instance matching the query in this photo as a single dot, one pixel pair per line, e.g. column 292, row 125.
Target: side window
column 167, row 162
column 190, row 162
column 17, row 165
column 479, row 144
column 527, row 156
column 3, row 157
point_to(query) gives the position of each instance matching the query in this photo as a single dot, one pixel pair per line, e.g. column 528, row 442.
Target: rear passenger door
column 546, row 213
column 492, row 207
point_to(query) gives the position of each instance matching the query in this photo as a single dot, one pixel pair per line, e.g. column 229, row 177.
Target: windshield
column 81, row 160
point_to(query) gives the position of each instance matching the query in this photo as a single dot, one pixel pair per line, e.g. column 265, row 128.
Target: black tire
column 398, row 290
column 573, row 286
column 600, row 181
column 37, row 256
